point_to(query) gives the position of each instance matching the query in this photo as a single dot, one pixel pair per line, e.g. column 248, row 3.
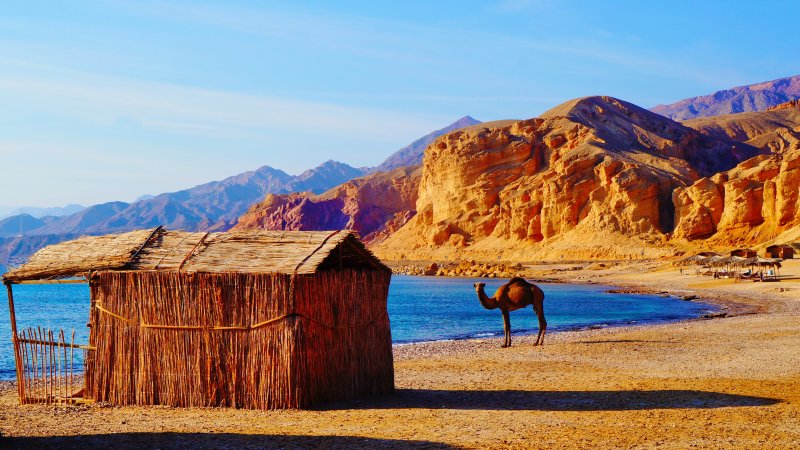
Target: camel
column 514, row 295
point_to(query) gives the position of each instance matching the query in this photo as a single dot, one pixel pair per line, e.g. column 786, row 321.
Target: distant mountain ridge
column 595, row 177
column 749, row 98
column 16, row 250
column 209, row 206
column 320, row 179
column 39, row 212
column 777, row 129
column 213, row 206
column 15, row 225
column 411, row 155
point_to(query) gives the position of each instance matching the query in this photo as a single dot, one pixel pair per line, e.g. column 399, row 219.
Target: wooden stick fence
column 47, row 366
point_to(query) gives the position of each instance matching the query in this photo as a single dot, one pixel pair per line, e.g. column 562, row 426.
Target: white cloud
column 93, row 138
column 198, row 111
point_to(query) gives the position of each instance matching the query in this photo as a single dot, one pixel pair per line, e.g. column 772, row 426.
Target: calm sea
column 420, row 309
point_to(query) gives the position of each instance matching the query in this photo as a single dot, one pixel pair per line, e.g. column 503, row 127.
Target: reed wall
column 343, row 336
column 260, row 341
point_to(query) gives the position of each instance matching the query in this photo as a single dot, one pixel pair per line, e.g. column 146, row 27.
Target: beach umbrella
column 717, row 261
column 764, row 262
column 698, row 260
column 736, row 261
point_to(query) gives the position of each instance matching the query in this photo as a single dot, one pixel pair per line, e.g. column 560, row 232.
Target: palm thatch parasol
column 763, row 262
column 695, row 260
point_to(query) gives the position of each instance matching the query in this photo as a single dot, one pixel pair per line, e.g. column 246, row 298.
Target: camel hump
column 518, row 280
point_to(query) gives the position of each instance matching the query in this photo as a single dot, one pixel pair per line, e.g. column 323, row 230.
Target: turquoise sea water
column 420, row 309
column 437, row 308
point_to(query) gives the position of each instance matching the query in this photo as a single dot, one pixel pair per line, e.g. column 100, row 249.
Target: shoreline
column 731, row 382
column 730, row 305
column 720, row 304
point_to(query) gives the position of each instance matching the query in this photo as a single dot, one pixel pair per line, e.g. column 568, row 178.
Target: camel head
column 478, row 286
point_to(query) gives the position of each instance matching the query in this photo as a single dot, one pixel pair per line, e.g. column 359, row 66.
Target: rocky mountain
column 39, row 212
column 754, row 97
column 592, row 177
column 209, row 206
column 15, row 225
column 411, row 154
column 750, row 204
column 776, row 129
column 15, row 250
column 376, row 205
column 757, row 200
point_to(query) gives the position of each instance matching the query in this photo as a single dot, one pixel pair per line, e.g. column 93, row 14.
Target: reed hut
column 744, row 253
column 780, row 251
column 258, row 320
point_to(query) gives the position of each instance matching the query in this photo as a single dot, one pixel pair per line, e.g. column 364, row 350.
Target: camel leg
column 542, row 325
column 506, row 328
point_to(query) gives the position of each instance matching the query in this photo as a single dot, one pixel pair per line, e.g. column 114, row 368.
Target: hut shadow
column 507, row 400
column 198, row 441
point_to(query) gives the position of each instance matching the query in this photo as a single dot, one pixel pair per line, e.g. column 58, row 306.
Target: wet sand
column 731, row 382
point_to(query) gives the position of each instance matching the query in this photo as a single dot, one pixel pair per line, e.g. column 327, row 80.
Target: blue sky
column 109, row 100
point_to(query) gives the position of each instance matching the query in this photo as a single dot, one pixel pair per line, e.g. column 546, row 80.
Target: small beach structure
column 255, row 319
column 695, row 260
column 780, row 251
column 705, row 261
column 744, row 253
column 767, row 269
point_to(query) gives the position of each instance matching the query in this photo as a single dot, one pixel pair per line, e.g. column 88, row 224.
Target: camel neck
column 487, row 302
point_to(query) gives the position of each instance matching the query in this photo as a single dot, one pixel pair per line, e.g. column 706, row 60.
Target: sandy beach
column 731, row 382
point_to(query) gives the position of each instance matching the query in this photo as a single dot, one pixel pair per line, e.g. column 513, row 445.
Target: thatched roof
column 694, row 259
column 763, row 262
column 301, row 252
column 722, row 261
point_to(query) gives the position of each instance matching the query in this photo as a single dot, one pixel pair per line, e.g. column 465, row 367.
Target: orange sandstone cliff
column 591, row 178
column 756, row 201
column 751, row 204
